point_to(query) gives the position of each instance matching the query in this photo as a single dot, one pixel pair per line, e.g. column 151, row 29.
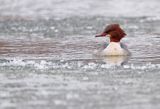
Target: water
column 47, row 55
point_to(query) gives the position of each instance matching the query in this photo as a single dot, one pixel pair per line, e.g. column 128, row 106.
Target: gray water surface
column 48, row 61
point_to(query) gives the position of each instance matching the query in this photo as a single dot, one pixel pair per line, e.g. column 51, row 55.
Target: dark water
column 47, row 55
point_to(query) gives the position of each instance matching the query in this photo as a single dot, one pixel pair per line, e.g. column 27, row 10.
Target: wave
column 65, row 8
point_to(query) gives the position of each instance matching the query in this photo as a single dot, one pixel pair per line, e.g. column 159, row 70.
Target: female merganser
column 115, row 47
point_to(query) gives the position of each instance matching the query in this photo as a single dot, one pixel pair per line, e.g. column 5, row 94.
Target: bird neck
column 114, row 40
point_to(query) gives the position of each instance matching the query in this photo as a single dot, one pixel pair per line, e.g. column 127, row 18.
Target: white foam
column 72, row 96
column 142, row 67
column 73, row 65
column 60, row 102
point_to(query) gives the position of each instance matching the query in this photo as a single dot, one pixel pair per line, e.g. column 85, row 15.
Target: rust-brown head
column 114, row 32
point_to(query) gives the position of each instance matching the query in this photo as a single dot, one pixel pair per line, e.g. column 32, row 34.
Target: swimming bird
column 115, row 47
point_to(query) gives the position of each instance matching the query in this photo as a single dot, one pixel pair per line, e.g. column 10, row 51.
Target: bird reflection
column 116, row 60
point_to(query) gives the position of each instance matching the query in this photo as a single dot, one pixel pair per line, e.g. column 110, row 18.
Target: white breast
column 115, row 49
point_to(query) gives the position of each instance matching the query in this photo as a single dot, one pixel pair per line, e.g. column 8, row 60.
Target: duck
column 115, row 46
